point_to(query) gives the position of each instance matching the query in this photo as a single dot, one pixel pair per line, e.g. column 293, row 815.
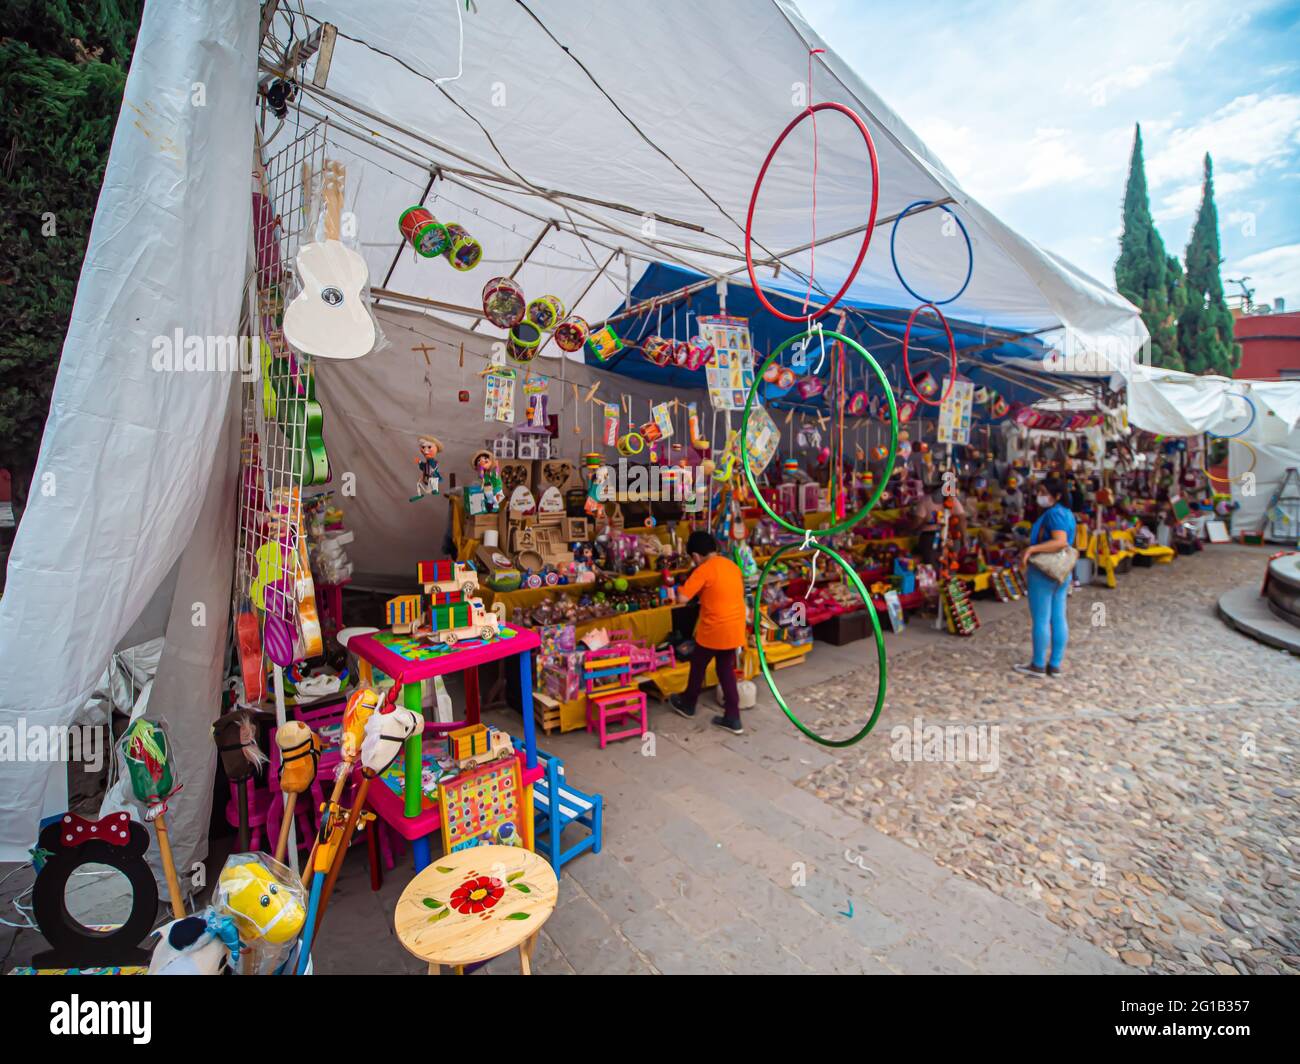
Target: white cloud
column 1185, row 200
column 1251, row 131
column 1272, row 273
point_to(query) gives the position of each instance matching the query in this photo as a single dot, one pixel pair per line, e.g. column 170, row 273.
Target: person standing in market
column 1052, row 533
column 719, row 632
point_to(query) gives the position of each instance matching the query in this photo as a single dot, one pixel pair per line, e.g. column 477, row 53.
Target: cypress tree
column 1142, row 269
column 1205, row 326
column 62, row 71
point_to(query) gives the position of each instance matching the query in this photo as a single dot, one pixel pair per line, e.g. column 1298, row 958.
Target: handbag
column 1058, row 565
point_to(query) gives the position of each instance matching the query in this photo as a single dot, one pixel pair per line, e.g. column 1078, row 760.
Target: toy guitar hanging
column 329, row 318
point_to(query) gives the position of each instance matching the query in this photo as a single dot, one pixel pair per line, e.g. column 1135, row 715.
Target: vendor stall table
column 409, row 662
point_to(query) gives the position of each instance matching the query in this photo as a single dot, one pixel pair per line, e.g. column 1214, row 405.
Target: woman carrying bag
column 1048, row 562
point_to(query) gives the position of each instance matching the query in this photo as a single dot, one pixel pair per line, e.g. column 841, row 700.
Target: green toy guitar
column 290, row 392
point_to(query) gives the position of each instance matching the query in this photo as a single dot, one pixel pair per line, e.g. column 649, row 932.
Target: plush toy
column 262, row 897
column 236, row 738
column 430, row 480
column 195, row 945
column 300, row 750
column 385, row 737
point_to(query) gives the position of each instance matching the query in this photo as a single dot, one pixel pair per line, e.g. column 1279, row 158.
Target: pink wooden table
column 408, row 663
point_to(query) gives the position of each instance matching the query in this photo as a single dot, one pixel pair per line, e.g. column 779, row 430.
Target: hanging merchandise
column 430, row 480
column 810, row 387
column 524, row 341
column 330, row 316
column 571, row 333
column 731, row 372
column 546, row 312
column 699, row 353
column 952, row 221
column 610, row 435
column 604, row 344
column 657, row 350
column 855, row 404
column 663, row 419
column 499, row 395
column 423, row 232
column 462, row 250
column 955, row 413
column 999, row 407
column 145, row 756
column 503, row 302
column 952, row 355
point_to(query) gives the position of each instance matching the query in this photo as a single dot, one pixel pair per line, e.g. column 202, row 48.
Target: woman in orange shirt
column 719, row 632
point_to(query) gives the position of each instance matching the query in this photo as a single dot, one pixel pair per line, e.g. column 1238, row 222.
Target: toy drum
column 503, row 302
column 658, row 350
column 604, row 344
column 681, row 353
column 811, row 387
column 423, row 231
column 571, row 333
column 462, row 250
column 856, row 404
column 523, row 342
column 700, row 354
column 790, row 466
column 926, row 385
column 546, row 312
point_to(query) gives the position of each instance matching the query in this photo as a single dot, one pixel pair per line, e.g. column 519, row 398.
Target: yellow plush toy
column 261, row 906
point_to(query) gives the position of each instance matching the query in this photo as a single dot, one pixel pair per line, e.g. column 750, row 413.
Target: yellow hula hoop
column 1254, row 460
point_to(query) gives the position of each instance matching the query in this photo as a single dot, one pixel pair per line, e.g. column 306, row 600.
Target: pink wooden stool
column 617, row 707
column 259, row 800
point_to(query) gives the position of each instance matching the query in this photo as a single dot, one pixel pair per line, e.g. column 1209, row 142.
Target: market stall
column 468, row 328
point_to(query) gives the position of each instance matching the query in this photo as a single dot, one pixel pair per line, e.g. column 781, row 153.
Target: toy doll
column 490, row 477
column 430, row 479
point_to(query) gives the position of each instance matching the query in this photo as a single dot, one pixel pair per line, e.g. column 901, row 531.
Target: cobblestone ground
column 1145, row 800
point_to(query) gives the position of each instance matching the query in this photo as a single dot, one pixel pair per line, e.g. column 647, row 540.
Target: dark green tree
column 1205, row 326
column 1142, row 269
column 62, row 71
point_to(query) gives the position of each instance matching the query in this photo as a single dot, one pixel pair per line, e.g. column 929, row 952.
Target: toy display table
column 408, row 662
column 476, row 904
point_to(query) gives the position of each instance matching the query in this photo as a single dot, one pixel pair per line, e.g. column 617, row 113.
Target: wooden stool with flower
column 475, row 904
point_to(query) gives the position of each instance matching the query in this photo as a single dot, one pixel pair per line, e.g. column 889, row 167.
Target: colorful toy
column 462, row 250
column 545, row 312
column 490, row 479
column 477, row 744
column 404, row 614
column 300, row 750
column 446, row 576
column 571, row 333
column 430, row 480
column 459, row 618
column 524, row 341
column 503, row 302
column 196, row 945
column 265, row 901
column 483, row 806
column 658, row 350
column 146, row 755
column 423, row 232
column 604, row 344
column 62, row 848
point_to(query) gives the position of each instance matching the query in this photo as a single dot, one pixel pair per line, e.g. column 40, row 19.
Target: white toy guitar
column 328, row 318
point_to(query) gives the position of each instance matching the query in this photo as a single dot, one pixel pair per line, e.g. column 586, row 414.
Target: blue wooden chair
column 558, row 804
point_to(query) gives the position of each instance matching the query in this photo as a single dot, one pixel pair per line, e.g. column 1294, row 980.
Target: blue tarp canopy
column 1000, row 359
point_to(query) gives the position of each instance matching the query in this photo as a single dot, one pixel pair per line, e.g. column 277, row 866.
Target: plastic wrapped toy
column 503, row 302
column 462, row 250
column 266, row 902
column 545, row 312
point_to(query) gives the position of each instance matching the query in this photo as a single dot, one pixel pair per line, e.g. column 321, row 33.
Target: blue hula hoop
column 893, row 257
column 1254, row 412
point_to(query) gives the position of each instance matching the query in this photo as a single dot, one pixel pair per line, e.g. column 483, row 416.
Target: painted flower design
column 477, row 894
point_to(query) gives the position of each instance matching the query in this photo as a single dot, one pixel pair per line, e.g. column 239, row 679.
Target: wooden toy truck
column 477, row 744
column 447, row 576
column 453, row 617
column 404, row 614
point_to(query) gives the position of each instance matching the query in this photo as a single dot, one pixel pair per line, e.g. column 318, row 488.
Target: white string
column 460, row 46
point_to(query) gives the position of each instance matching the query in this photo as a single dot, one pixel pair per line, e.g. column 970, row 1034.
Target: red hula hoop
column 952, row 351
column 866, row 236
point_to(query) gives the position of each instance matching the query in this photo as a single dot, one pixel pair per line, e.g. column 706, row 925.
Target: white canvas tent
column 579, row 141
column 1172, row 403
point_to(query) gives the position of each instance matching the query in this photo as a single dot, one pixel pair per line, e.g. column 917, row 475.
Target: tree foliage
column 1143, row 270
column 62, row 71
column 1205, row 326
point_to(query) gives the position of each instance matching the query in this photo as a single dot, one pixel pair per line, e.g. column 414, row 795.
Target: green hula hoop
column 875, row 627
column 883, row 482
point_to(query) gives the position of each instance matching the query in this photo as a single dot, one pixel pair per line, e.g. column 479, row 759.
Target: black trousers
column 726, row 660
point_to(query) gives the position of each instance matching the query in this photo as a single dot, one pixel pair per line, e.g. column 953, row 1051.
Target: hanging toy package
column 268, row 906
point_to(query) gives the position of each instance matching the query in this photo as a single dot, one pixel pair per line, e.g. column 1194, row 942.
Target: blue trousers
column 1047, row 609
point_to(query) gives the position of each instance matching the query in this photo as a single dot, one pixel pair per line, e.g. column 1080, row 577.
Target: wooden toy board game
column 484, row 806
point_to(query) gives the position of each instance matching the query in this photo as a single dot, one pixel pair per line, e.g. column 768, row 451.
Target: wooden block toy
column 403, row 614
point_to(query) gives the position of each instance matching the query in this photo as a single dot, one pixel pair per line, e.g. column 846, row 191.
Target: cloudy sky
column 1032, row 104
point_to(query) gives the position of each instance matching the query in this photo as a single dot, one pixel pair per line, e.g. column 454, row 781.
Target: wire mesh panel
column 282, row 450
